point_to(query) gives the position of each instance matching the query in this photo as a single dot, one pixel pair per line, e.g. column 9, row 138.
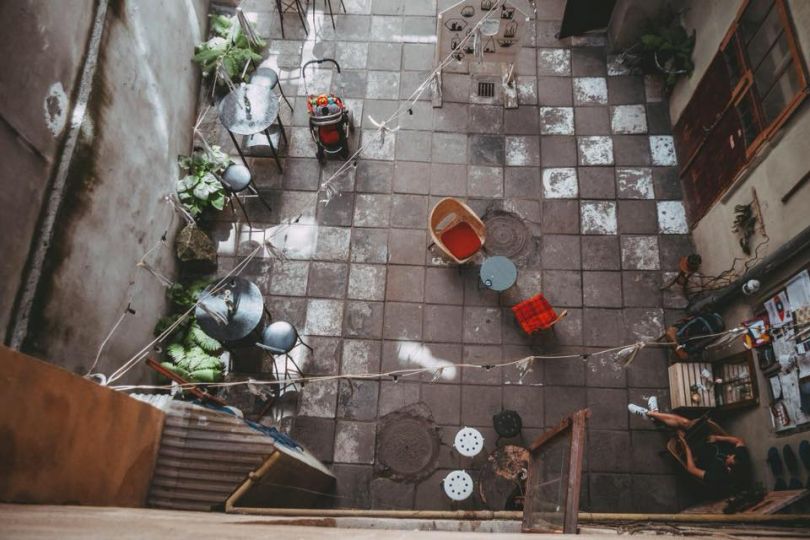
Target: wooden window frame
column 573, row 427
column 746, row 82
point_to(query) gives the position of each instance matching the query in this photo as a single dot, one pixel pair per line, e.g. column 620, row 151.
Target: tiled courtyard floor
column 586, row 161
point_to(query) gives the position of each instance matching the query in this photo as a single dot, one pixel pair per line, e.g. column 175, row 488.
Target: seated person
column 721, row 461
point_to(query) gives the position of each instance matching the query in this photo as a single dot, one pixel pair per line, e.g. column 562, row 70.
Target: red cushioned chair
column 536, row 314
column 456, row 229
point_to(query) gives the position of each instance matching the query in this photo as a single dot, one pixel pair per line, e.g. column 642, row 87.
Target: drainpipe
column 772, row 262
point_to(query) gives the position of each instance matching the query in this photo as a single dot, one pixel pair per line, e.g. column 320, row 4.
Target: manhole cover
column 507, row 235
column 408, row 448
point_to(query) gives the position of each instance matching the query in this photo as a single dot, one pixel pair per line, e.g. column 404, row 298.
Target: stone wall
column 137, row 119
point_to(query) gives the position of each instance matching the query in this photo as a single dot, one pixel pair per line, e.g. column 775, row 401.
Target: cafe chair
column 456, row 230
column 237, row 179
column 265, row 76
column 279, row 339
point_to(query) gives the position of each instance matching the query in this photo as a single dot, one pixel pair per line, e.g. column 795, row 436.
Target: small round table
column 249, row 109
column 233, row 312
column 498, row 273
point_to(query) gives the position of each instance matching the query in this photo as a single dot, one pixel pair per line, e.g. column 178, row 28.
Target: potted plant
column 669, row 49
column 193, row 354
column 200, row 188
column 228, row 53
column 664, row 48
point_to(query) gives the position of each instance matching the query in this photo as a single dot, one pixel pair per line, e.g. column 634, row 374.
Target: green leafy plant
column 194, row 355
column 228, row 48
column 670, row 48
column 200, row 188
column 665, row 48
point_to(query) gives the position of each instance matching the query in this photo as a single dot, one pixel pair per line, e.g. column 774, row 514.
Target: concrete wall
column 138, row 118
column 778, row 166
column 47, row 46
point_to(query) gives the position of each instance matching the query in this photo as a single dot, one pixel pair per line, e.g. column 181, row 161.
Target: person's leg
column 674, row 421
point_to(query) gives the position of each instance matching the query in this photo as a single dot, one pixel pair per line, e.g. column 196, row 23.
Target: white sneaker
column 652, row 404
column 637, row 409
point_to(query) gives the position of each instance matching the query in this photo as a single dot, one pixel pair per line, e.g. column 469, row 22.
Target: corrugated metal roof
column 204, row 456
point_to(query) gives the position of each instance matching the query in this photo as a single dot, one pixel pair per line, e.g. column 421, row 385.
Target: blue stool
column 236, row 179
column 279, row 338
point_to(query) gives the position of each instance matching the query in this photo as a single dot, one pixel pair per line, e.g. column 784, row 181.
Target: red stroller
column 329, row 119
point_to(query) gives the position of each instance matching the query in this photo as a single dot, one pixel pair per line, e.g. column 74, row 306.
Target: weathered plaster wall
column 783, row 163
column 138, row 119
column 43, row 50
column 780, row 167
column 711, row 20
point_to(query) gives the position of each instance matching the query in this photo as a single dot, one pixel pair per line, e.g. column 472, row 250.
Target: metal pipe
column 486, row 515
column 789, row 249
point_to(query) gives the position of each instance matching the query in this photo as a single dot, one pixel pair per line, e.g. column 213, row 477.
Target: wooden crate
column 737, row 389
column 682, row 376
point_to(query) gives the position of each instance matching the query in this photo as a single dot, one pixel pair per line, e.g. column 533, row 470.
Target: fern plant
column 228, row 49
column 200, row 188
column 194, row 354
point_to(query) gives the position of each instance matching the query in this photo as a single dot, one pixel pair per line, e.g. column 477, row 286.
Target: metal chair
column 286, row 6
column 328, row 4
column 279, row 338
column 265, row 76
column 235, row 180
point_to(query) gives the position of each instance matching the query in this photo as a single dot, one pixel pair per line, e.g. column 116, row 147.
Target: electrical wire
column 398, row 374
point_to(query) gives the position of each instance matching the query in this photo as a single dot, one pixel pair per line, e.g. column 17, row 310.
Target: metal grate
column 486, row 89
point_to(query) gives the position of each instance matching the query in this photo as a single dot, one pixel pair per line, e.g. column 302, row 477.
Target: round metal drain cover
column 408, row 448
column 469, row 442
column 507, row 234
column 458, row 485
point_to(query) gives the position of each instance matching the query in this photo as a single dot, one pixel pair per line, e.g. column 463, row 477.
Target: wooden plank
column 575, row 470
column 67, row 440
column 773, row 502
column 549, row 434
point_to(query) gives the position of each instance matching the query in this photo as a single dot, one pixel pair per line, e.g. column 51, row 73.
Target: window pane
column 753, row 16
column 732, row 58
column 768, row 32
column 772, row 65
column 748, row 119
column 780, row 95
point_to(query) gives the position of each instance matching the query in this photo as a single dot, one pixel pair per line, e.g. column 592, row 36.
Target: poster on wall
column 798, row 292
column 778, row 309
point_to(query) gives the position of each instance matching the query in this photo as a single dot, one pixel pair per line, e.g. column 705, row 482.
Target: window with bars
column 755, row 82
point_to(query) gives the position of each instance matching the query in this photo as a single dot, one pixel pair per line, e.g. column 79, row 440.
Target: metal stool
column 279, row 338
column 328, row 4
column 235, row 180
column 265, row 76
column 286, row 6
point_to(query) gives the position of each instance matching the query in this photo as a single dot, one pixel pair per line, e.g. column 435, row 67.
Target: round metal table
column 498, row 273
column 233, row 312
column 249, row 109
